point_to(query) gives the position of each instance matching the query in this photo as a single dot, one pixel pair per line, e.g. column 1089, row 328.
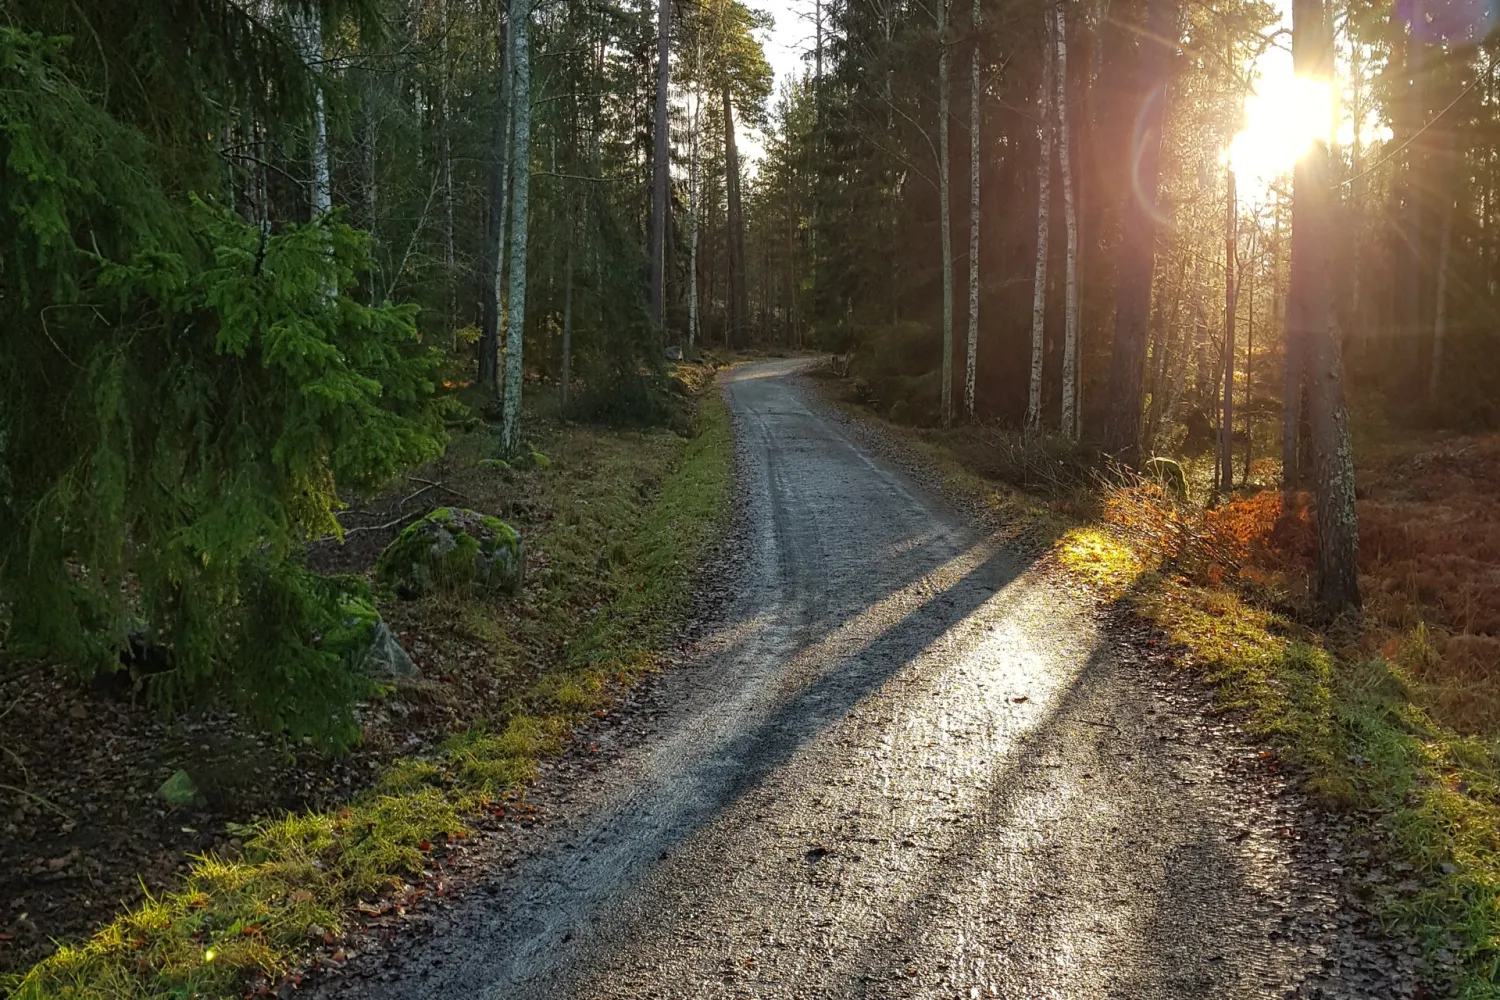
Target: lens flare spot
column 1283, row 118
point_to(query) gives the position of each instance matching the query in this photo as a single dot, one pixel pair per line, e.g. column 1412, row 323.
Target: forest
column 1217, row 279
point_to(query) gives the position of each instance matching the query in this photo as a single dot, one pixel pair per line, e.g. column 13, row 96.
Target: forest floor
column 1392, row 720
column 613, row 527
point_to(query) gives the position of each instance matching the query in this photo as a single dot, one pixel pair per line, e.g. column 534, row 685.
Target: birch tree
column 495, row 242
column 1043, row 230
column 310, row 41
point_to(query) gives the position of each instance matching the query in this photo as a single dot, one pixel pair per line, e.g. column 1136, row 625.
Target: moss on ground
column 1429, row 794
column 298, row 876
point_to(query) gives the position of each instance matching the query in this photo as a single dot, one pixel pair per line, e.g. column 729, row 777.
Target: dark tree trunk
column 1137, row 253
column 738, row 334
column 1338, row 530
column 1231, row 302
column 660, row 165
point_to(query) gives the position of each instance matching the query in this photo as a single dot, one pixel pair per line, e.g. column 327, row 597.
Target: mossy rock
column 1168, row 472
column 179, row 791
column 454, row 550
column 530, row 458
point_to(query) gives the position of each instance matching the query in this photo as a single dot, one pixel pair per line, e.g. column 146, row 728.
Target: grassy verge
column 615, row 562
column 1428, row 796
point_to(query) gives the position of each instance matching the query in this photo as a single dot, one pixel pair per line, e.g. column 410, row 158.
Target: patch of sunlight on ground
column 1100, row 559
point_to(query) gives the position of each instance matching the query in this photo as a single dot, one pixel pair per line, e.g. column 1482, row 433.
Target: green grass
column 298, row 876
column 1430, row 796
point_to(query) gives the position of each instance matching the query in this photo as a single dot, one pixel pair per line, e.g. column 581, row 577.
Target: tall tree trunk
column 1249, row 283
column 660, row 165
column 1043, row 232
column 1338, row 529
column 972, row 344
column 515, row 333
column 1163, row 351
column 449, row 240
column 494, row 305
column 1200, row 335
column 1360, row 336
column 567, row 321
column 1294, row 387
column 1231, row 304
column 1137, row 252
column 695, row 147
column 738, row 334
column 1440, row 317
column 311, row 44
column 945, row 209
column 1069, row 423
column 370, row 148
column 1200, row 341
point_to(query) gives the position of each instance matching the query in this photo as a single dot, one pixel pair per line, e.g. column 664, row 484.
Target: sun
column 1283, row 117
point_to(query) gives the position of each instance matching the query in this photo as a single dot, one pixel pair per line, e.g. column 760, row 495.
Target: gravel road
column 901, row 763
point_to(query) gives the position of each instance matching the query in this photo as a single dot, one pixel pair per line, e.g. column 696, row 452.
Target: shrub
column 186, row 417
column 614, row 398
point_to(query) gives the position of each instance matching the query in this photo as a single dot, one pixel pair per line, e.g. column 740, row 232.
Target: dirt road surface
column 901, row 763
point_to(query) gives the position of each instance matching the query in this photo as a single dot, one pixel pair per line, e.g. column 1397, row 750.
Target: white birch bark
column 945, row 197
column 1043, row 228
column 1069, row 424
column 502, row 206
column 972, row 345
column 311, row 43
column 520, row 18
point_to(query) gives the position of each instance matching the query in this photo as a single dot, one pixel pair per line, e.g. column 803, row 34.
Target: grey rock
column 387, row 658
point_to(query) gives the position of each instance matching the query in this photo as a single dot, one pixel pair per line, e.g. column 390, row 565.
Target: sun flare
column 1282, row 119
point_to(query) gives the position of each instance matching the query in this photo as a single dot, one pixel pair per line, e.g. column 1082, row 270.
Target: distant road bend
column 903, row 764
